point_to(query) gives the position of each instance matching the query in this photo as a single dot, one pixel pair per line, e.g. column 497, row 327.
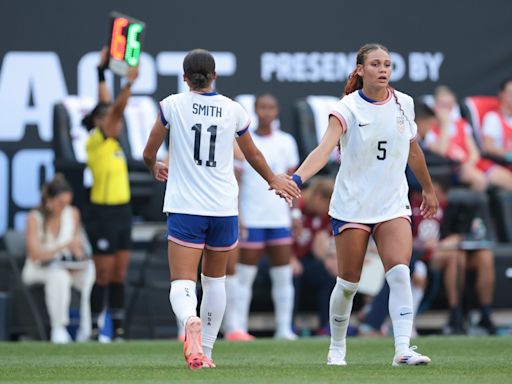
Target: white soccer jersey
column 202, row 128
column 371, row 186
column 261, row 208
column 493, row 128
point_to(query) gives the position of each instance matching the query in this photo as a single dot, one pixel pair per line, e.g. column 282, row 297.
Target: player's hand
column 160, row 171
column 285, row 187
column 132, row 74
column 429, row 205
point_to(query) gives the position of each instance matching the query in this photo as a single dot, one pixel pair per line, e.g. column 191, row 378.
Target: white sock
column 230, row 322
column 245, row 275
column 400, row 305
column 340, row 307
column 283, row 297
column 213, row 305
column 183, row 299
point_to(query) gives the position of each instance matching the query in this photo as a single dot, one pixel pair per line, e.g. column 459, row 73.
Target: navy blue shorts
column 258, row 238
column 210, row 232
column 339, row 226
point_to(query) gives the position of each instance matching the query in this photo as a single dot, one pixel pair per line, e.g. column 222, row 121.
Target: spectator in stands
column 201, row 197
column 315, row 255
column 497, row 126
column 109, row 214
column 265, row 222
column 57, row 258
column 446, row 249
column 374, row 126
column 453, row 138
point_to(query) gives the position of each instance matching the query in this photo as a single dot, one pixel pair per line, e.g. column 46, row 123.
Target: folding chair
column 16, row 250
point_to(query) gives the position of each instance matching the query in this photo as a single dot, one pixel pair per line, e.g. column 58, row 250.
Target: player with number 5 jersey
column 201, row 198
column 374, row 126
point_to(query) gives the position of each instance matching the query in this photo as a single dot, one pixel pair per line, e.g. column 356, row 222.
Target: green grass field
column 454, row 360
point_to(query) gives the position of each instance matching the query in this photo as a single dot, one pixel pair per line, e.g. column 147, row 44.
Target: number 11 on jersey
column 212, row 129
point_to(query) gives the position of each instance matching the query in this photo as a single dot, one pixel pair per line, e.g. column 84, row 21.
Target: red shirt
column 311, row 225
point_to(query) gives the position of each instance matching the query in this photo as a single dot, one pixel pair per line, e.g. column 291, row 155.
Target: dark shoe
column 487, row 325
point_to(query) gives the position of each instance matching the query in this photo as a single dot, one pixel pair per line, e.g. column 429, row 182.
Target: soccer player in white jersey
column 266, row 222
column 201, row 197
column 374, row 126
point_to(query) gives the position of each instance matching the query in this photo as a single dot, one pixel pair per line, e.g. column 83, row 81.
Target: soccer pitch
column 454, row 360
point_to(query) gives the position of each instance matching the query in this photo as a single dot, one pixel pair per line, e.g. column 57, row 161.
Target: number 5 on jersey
column 382, row 149
column 197, row 145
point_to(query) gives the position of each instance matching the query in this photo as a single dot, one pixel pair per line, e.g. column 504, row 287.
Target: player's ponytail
column 199, row 67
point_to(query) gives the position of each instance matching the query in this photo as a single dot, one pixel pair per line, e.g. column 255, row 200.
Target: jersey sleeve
column 491, row 126
column 165, row 111
column 242, row 119
column 342, row 112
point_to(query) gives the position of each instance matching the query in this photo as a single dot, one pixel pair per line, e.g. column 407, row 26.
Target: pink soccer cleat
column 208, row 363
column 239, row 336
column 192, row 349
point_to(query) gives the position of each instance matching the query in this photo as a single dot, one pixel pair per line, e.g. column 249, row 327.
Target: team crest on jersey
column 400, row 122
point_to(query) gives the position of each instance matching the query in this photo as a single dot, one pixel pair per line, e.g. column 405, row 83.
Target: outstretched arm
column 283, row 184
column 418, row 165
column 317, row 159
column 103, row 92
column 112, row 123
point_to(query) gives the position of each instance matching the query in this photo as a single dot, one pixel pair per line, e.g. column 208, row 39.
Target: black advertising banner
column 50, row 50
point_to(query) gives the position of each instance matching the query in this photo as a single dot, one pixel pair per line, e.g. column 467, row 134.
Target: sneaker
column 285, row 335
column 487, row 325
column 82, row 335
column 192, row 349
column 60, row 335
column 239, row 336
column 410, row 357
column 208, row 363
column 104, row 339
column 336, row 356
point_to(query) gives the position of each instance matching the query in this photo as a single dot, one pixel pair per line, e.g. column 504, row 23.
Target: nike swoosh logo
column 405, row 313
column 338, row 321
column 362, row 125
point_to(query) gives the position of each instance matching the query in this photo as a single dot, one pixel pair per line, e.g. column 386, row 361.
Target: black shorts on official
column 109, row 228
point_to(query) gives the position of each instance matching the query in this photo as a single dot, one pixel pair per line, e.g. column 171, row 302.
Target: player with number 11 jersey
column 202, row 127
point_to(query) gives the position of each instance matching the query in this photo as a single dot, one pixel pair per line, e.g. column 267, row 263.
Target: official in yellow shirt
column 110, row 214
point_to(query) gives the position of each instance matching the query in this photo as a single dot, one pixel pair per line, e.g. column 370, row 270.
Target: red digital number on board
column 118, row 44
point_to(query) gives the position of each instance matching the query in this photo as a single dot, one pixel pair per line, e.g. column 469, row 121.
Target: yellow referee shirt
column 107, row 162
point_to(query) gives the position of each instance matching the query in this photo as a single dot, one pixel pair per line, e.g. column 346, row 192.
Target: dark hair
column 50, row 190
column 355, row 81
column 262, row 95
column 422, row 110
column 199, row 67
column 99, row 110
column 504, row 83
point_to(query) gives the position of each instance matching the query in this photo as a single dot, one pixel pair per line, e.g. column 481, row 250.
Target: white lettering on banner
column 26, row 170
column 26, row 76
column 171, row 64
column 398, row 66
column 336, row 66
column 425, row 66
column 4, row 196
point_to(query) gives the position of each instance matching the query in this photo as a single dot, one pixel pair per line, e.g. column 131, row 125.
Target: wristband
column 101, row 74
column 297, row 179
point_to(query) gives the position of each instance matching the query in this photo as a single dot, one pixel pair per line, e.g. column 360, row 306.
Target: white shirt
column 261, row 208
column 371, row 186
column 493, row 128
column 202, row 128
